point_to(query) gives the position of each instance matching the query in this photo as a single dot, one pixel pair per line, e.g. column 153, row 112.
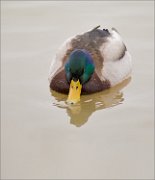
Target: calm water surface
column 106, row 135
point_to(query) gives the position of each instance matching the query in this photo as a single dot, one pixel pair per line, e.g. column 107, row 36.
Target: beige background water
column 109, row 134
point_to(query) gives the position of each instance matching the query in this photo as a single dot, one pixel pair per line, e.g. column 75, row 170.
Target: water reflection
column 80, row 112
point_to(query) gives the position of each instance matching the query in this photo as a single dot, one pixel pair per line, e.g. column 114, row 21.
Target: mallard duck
column 90, row 62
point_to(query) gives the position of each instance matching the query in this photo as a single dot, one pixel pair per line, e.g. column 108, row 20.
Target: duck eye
column 72, row 87
column 76, row 87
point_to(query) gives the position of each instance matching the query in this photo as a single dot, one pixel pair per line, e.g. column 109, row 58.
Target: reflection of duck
column 80, row 112
column 93, row 61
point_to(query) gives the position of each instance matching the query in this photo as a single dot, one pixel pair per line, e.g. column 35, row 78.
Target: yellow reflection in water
column 79, row 113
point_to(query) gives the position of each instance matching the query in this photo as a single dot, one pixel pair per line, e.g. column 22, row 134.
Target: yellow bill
column 74, row 92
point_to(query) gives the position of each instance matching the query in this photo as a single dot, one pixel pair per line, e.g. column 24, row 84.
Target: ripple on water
column 80, row 112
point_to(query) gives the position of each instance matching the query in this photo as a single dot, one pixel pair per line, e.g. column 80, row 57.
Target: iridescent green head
column 79, row 67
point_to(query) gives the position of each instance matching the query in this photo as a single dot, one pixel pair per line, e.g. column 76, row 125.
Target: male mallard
column 90, row 62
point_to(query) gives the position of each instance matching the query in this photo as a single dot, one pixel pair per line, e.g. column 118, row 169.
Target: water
column 106, row 135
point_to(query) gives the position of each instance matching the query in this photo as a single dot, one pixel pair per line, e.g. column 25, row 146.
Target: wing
column 114, row 48
column 117, row 60
column 57, row 61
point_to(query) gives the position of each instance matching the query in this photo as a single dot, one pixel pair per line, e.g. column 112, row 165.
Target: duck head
column 79, row 69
